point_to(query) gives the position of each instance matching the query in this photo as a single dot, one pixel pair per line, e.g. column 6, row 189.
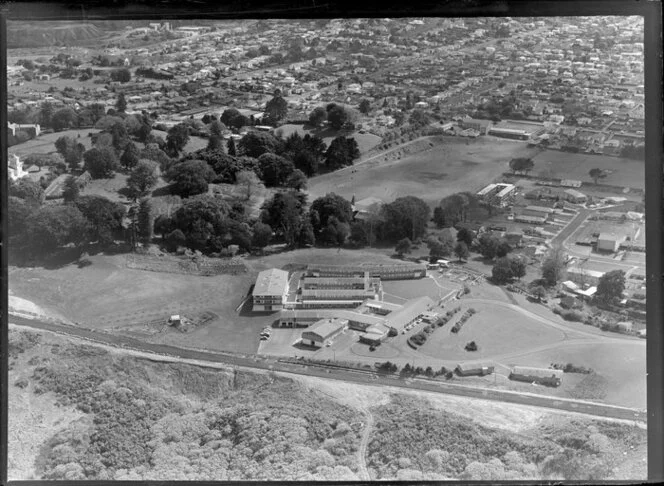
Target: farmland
column 45, row 143
column 451, row 166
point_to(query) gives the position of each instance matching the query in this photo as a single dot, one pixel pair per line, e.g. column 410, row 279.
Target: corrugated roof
column 326, row 327
column 271, row 282
column 537, row 372
column 410, row 310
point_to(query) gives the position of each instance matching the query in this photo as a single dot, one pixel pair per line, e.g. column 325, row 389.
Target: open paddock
column 566, row 165
column 621, row 370
column 452, row 165
column 496, row 330
column 107, row 295
column 45, row 143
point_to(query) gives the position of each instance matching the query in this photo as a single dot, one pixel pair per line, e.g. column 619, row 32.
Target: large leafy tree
column 487, row 245
column 71, row 190
column 339, row 116
column 553, row 266
column 64, row 118
column 18, row 212
column 143, row 178
column 461, row 250
column 284, row 213
column 255, row 144
column 274, row 170
column 262, row 234
column 203, row 220
column 597, row 174
column 120, row 136
column 406, row 217
column 404, row 246
column 611, row 286
column 231, row 117
column 454, row 208
column 51, row 227
column 190, row 177
column 145, row 227
column 522, row 164
column 341, row 152
column 331, row 205
column 71, row 151
column 176, row 139
column 465, row 235
column 101, row 162
column 317, row 116
column 103, row 215
column 276, row 109
column 130, row 156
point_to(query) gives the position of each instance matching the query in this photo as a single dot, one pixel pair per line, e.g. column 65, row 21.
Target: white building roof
column 271, row 282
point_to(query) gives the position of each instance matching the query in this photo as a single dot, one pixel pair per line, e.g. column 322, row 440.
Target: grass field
column 496, row 330
column 45, row 144
column 623, row 172
column 445, row 169
column 621, row 368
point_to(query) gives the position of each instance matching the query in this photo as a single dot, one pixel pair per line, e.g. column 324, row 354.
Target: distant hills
column 44, row 34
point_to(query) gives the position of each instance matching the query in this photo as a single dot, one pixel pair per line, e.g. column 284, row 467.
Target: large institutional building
column 328, row 299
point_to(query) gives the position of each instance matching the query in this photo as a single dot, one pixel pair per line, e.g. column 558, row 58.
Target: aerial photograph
column 354, row 249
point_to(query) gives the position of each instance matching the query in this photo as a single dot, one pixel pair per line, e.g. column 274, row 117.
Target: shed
column 543, row 376
column 474, row 369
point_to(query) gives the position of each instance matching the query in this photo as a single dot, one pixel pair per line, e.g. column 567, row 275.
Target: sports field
column 449, row 167
column 622, row 172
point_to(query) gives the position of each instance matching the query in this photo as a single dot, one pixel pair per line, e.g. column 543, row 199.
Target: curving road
column 362, row 450
column 365, row 377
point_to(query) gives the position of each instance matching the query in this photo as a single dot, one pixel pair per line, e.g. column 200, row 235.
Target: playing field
column 449, row 167
column 622, row 172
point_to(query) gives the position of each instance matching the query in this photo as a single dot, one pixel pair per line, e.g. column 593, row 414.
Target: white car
column 328, row 344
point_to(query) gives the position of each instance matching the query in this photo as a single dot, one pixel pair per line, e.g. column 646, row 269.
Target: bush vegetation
column 156, row 421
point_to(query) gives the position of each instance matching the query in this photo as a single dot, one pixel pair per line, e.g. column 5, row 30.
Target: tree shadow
column 162, row 191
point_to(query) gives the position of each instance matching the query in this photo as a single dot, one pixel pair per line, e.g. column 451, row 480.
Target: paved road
column 354, row 376
column 572, row 226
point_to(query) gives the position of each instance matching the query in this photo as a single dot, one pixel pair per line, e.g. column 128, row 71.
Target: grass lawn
column 623, row 172
column 45, row 144
column 496, row 330
column 621, row 370
column 445, row 169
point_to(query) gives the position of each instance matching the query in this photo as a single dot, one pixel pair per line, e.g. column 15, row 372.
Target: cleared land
column 496, row 330
column 623, row 172
column 446, row 168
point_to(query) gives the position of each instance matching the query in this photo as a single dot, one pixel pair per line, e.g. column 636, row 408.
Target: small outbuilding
column 474, row 369
column 541, row 376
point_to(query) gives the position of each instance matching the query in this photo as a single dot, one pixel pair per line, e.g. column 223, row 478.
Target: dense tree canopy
column 190, row 177
column 143, row 178
column 317, row 116
column 274, row 170
column 276, row 109
column 406, row 217
column 522, row 164
column 204, row 221
column 51, row 227
column 284, row 213
column 255, row 144
column 103, row 215
column 64, row 118
column 331, row 205
column 553, row 266
column 71, row 151
column 176, row 139
column 130, row 156
column 101, row 162
column 611, row 286
column 27, row 189
column 341, row 153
